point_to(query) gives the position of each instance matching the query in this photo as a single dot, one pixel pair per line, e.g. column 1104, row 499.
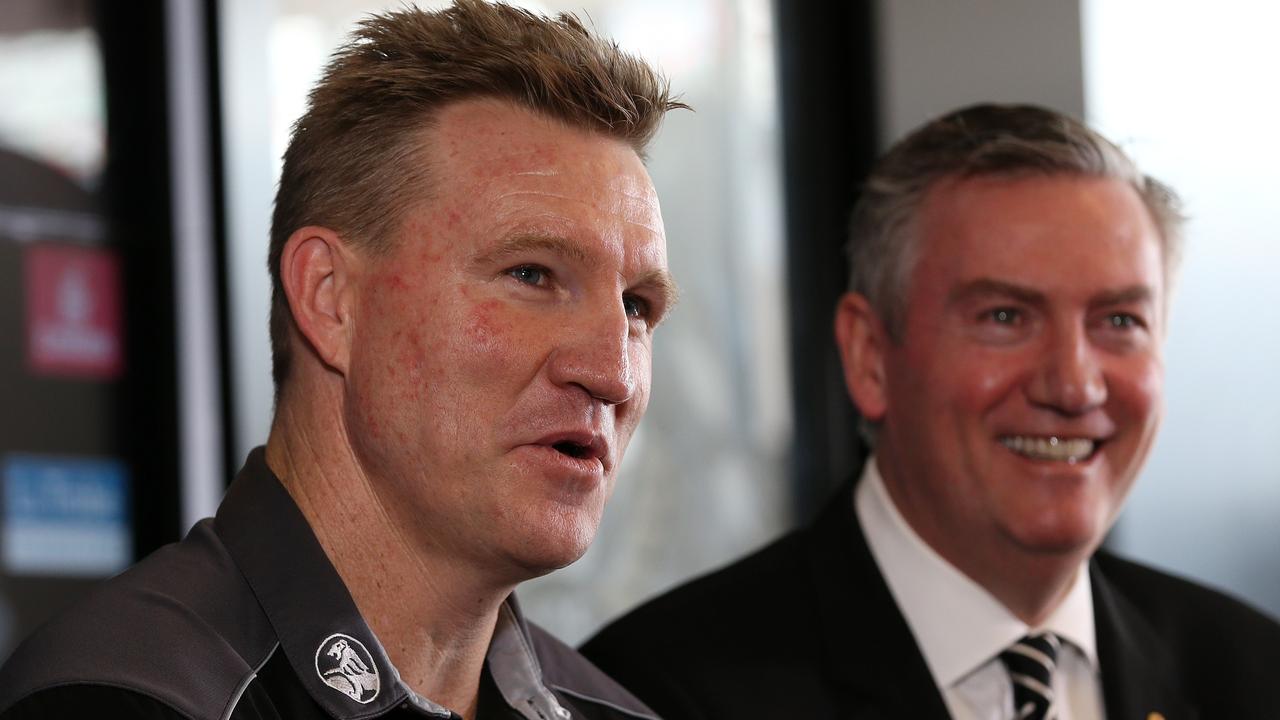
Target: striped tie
column 1030, row 662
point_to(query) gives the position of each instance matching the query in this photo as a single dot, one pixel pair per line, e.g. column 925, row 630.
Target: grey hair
column 979, row 141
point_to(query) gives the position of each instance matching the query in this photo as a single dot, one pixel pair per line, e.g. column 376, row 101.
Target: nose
column 594, row 355
column 1070, row 378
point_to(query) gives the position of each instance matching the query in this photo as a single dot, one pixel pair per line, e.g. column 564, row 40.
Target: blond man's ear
column 319, row 278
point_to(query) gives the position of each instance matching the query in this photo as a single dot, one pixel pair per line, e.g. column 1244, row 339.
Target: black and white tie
column 1030, row 662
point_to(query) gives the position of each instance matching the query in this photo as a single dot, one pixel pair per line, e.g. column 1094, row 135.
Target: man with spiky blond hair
column 468, row 264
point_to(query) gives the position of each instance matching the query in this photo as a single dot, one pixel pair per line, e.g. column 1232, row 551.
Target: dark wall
column 827, row 77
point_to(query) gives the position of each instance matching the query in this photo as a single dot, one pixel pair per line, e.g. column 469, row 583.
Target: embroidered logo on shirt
column 344, row 664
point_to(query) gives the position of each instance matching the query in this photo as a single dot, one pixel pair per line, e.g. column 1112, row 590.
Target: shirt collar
column 318, row 624
column 958, row 625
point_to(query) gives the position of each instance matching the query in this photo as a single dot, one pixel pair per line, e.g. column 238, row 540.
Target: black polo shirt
column 246, row 618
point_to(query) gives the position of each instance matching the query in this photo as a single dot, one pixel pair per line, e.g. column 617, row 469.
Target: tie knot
column 1030, row 662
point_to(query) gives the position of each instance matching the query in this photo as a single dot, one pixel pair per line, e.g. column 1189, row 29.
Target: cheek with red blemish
column 424, row 248
column 486, row 329
column 412, row 360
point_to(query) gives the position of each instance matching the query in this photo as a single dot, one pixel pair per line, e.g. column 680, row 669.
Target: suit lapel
column 869, row 651
column 871, row 656
column 1137, row 676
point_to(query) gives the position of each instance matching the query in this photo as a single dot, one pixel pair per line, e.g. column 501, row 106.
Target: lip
column 592, row 449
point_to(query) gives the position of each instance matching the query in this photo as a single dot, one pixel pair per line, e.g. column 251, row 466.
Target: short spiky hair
column 356, row 159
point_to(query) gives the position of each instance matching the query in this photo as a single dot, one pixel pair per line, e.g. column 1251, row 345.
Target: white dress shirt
column 961, row 628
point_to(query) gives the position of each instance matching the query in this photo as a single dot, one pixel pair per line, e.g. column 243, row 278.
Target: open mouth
column 573, row 449
column 584, row 449
column 1052, row 448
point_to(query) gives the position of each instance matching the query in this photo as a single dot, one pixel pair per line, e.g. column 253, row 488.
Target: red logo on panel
column 73, row 311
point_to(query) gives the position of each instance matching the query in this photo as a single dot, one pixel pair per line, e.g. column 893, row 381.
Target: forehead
column 485, row 139
column 493, row 161
column 1049, row 231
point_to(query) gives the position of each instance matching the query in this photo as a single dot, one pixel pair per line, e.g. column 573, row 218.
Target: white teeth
column 1071, row 450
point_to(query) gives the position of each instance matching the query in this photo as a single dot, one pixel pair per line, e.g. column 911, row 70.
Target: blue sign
column 65, row 516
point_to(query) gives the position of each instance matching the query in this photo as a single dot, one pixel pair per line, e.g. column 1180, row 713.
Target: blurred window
column 1189, row 89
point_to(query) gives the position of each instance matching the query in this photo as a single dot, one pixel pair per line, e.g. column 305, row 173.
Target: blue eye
column 1004, row 316
column 635, row 307
column 529, row 274
column 1123, row 321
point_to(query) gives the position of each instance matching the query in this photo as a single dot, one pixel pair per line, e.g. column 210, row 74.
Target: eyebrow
column 662, row 283
column 521, row 244
column 658, row 279
column 988, row 286
column 1124, row 296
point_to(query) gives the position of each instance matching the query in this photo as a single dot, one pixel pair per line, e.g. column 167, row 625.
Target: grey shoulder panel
column 182, row 627
column 565, row 670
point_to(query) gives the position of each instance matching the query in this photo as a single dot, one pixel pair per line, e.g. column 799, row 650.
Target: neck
column 1039, row 588
column 1030, row 584
column 434, row 615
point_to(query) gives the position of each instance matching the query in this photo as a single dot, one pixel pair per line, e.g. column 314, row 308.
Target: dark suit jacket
column 807, row 628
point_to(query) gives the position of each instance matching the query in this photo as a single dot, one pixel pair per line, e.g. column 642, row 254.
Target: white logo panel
column 345, row 665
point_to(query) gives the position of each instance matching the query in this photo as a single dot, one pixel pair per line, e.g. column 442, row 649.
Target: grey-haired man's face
column 1025, row 390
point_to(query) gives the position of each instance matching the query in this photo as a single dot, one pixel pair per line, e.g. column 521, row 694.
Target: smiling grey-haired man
column 469, row 264
column 1002, row 338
